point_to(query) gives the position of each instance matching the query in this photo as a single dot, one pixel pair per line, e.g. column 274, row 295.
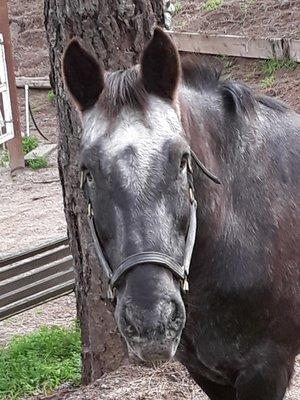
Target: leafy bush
column 29, row 143
column 37, row 163
column 39, row 362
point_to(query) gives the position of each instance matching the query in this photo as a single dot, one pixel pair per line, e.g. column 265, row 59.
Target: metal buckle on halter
column 189, row 164
column 111, row 292
column 185, row 284
column 192, row 195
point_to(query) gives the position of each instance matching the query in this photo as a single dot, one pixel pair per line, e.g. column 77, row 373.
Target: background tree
column 116, row 32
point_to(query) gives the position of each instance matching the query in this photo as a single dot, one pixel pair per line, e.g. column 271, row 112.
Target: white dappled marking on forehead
column 146, row 134
column 130, row 128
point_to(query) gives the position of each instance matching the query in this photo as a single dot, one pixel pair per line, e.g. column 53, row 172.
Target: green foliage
column 29, row 143
column 178, row 7
column 37, row 163
column 269, row 67
column 226, row 61
column 51, row 96
column 4, row 158
column 212, row 5
column 268, row 82
column 39, row 362
column 246, row 4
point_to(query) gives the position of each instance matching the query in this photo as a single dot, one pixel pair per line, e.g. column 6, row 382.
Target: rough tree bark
column 116, row 32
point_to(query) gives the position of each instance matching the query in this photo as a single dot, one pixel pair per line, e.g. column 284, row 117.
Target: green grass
column 37, row 163
column 4, row 158
column 269, row 67
column 212, row 5
column 29, row 143
column 51, row 96
column 268, row 82
column 39, row 362
column 227, row 61
column 178, row 7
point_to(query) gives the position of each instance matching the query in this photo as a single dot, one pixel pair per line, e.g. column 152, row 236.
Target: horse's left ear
column 160, row 66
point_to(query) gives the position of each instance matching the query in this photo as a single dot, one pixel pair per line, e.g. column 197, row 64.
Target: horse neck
column 202, row 121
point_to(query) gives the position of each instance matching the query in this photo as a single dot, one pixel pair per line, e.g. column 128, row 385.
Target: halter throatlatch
column 179, row 270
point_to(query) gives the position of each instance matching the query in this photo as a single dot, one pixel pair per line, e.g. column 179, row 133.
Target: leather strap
column 144, row 258
column 203, row 168
column 181, row 271
column 102, row 260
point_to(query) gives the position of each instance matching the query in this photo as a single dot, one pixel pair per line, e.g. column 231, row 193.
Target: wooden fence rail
column 237, row 46
column 34, row 277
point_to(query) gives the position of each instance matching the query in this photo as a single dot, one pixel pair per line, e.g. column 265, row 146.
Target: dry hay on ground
column 170, row 381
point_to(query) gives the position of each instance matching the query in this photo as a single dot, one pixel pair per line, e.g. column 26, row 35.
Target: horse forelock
column 123, row 88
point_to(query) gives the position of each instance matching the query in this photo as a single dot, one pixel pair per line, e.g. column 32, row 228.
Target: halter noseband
column 179, row 270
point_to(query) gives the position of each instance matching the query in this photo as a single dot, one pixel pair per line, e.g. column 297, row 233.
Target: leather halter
column 179, row 270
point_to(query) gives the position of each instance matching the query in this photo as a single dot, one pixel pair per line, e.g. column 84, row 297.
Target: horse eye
column 184, row 161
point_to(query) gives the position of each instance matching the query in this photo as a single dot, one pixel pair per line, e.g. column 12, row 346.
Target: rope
column 35, row 124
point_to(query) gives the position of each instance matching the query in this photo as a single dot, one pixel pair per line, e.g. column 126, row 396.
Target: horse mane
column 125, row 88
column 237, row 97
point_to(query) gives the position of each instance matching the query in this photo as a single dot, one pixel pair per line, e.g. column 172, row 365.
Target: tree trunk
column 116, row 31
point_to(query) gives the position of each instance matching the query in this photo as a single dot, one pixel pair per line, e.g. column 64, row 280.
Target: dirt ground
column 28, row 37
column 32, row 209
column 59, row 312
column 263, row 18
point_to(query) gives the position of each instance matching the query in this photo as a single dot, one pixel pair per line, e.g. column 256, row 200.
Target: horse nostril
column 176, row 317
column 175, row 312
column 129, row 329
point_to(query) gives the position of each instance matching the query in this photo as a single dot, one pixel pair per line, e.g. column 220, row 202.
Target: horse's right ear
column 82, row 75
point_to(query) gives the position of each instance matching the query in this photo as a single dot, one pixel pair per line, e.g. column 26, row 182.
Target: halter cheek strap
column 179, row 270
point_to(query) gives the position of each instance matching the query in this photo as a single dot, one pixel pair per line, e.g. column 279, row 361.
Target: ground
column 32, row 207
column 263, row 18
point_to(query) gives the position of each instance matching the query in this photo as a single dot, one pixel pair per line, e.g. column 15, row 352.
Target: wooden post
column 14, row 145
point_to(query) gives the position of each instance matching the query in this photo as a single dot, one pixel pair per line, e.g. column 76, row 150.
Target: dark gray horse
column 239, row 323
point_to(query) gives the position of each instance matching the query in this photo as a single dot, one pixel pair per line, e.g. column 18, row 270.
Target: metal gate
column 34, row 277
column 6, row 121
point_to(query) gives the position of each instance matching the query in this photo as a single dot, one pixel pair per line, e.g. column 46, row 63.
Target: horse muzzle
column 152, row 334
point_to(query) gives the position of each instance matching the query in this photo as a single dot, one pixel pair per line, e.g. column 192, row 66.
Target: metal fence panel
column 34, row 277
